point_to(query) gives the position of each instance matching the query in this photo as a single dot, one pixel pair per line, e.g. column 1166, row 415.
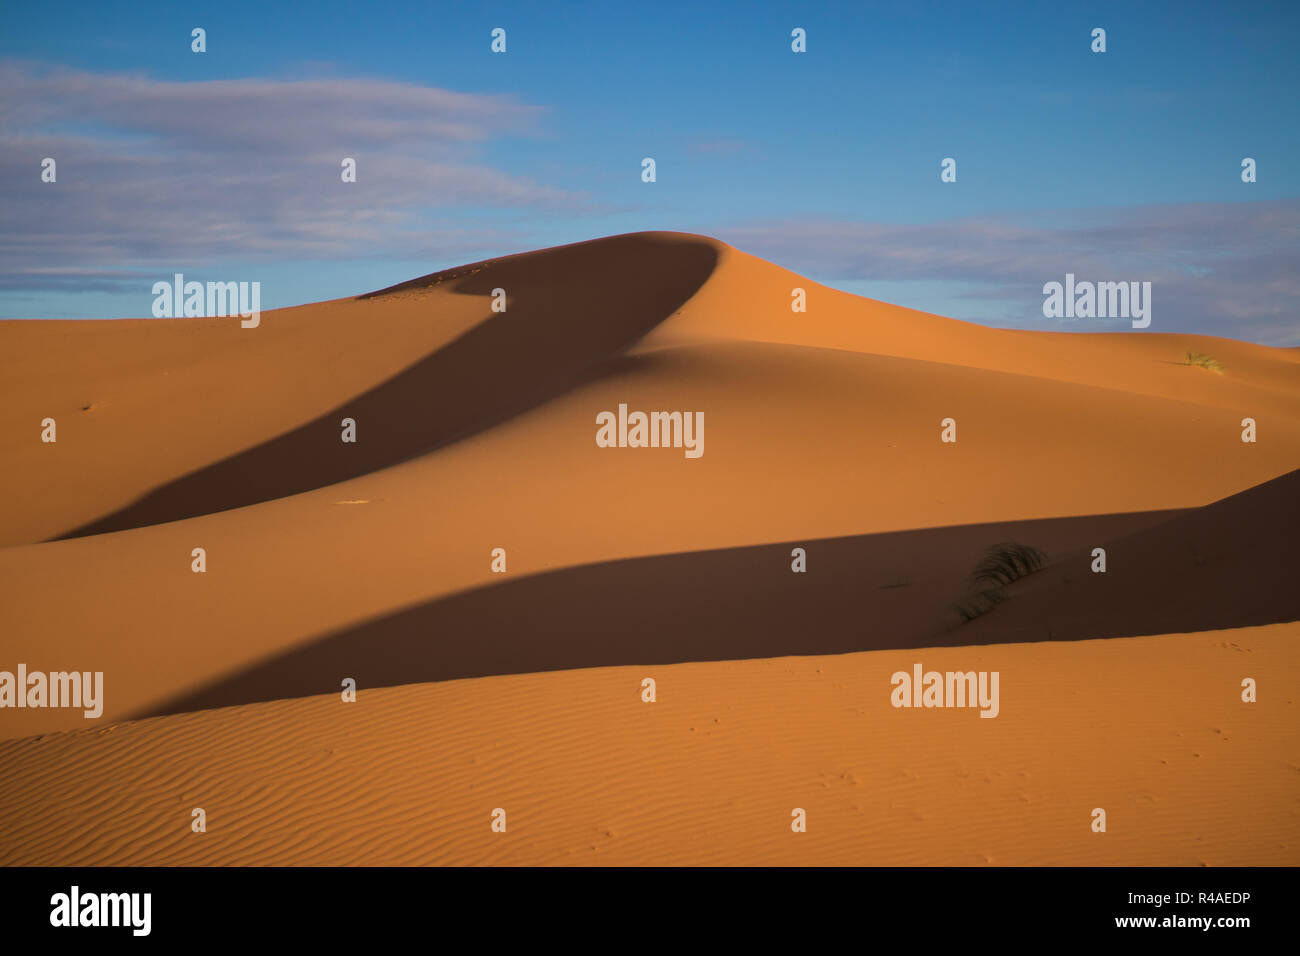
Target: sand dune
column 164, row 419
column 476, row 431
column 1149, row 729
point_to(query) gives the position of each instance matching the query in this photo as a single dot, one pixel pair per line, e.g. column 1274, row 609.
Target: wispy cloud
column 1229, row 269
column 154, row 171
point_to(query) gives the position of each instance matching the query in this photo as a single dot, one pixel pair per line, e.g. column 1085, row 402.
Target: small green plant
column 1204, row 361
column 1002, row 563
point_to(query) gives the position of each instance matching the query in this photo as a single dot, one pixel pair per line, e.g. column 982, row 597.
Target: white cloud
column 153, row 171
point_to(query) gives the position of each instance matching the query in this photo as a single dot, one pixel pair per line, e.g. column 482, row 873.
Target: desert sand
column 521, row 690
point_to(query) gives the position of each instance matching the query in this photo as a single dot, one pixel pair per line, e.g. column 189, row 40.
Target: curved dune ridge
column 475, row 431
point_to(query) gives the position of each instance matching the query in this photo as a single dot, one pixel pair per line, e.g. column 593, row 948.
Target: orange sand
column 1151, row 729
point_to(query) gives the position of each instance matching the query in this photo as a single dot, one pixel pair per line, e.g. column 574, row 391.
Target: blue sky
column 1116, row 166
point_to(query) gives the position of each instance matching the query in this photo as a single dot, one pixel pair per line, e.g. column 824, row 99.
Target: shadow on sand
column 868, row 592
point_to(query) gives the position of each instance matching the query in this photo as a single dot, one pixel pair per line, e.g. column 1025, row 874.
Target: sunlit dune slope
column 750, row 299
column 1152, row 730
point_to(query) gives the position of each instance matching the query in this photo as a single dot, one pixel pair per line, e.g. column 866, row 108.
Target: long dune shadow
column 569, row 308
column 868, row 592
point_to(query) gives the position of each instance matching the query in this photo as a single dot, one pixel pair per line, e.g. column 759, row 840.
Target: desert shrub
column 1002, row 563
column 1007, row 561
column 1204, row 361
